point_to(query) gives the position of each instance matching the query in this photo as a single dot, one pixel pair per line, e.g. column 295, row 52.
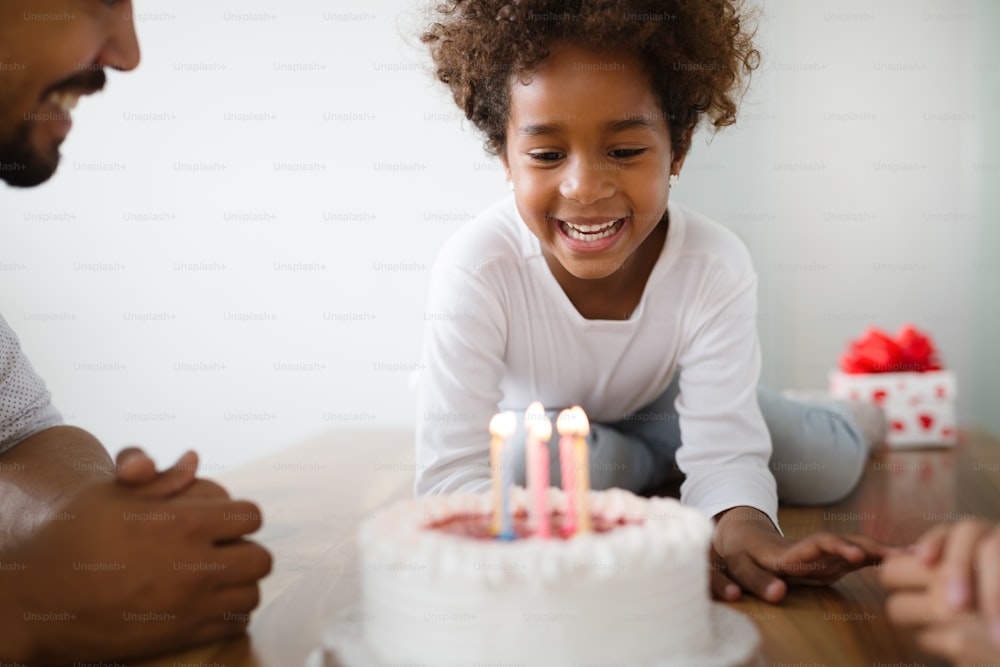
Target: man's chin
column 20, row 175
column 21, row 165
column 26, row 171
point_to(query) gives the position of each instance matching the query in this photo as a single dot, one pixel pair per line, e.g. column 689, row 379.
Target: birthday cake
column 438, row 589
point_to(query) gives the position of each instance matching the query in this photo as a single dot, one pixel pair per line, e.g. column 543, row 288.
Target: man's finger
column 958, row 561
column 905, row 571
column 223, row 521
column 245, row 561
column 214, row 631
column 930, row 546
column 914, row 609
column 234, row 603
column 179, row 476
column 172, row 481
column 988, row 573
column 963, row 641
column 133, row 466
column 205, row 489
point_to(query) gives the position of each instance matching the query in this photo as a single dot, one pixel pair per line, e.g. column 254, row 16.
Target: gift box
column 903, row 376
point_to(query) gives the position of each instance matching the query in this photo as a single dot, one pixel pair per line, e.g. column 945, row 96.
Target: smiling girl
column 590, row 286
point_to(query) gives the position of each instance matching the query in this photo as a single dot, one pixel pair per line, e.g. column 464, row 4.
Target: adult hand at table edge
column 988, row 590
column 960, row 559
column 916, row 595
column 136, row 470
column 748, row 552
column 965, row 641
column 184, row 560
column 966, row 554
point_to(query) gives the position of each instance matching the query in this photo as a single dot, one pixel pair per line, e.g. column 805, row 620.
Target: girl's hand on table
column 749, row 555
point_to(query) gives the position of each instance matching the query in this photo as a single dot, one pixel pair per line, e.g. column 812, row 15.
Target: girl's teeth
column 590, row 232
column 590, row 229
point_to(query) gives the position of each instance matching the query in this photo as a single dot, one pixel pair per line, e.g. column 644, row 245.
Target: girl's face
column 588, row 151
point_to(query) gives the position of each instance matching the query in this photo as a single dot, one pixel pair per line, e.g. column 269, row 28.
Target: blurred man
column 98, row 561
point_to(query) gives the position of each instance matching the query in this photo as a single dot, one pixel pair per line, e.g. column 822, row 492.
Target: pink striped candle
column 565, row 427
column 533, row 417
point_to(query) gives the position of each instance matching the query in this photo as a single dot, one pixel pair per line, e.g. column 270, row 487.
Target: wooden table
column 313, row 496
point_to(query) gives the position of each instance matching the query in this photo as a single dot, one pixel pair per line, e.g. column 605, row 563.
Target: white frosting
column 633, row 594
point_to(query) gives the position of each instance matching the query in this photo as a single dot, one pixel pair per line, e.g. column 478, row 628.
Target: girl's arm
column 726, row 446
column 726, row 449
column 459, row 390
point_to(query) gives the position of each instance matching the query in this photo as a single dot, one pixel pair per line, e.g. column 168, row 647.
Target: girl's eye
column 546, row 156
column 624, row 153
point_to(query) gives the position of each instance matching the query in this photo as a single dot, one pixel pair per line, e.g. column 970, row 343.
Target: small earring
column 673, row 179
column 510, row 185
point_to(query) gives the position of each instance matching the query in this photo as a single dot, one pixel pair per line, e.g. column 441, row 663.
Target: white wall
column 295, row 162
column 869, row 158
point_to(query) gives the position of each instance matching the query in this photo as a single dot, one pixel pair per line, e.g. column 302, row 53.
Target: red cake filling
column 477, row 526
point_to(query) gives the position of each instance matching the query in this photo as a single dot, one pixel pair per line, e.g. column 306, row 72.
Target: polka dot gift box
column 903, row 376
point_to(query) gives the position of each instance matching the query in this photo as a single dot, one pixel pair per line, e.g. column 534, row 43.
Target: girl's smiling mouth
column 590, row 234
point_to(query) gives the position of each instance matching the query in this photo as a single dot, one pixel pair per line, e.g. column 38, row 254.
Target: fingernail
column 732, row 591
column 995, row 631
column 773, row 590
column 957, row 594
column 128, row 457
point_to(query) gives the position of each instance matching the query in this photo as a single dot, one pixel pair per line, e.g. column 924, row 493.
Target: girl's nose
column 587, row 182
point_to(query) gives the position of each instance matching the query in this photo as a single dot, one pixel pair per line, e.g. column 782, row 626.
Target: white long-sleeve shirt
column 501, row 333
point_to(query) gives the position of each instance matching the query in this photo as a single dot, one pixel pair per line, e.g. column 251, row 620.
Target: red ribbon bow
column 876, row 352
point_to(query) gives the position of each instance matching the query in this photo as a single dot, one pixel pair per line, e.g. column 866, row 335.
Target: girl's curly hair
column 698, row 54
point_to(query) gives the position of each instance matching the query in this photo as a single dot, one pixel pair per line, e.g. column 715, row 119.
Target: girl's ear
column 677, row 159
column 677, row 163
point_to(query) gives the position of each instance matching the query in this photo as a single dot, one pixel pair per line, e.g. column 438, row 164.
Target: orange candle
column 502, row 426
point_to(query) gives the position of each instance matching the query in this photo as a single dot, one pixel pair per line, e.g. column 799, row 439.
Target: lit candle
column 506, row 523
column 566, row 426
column 582, row 460
column 502, row 426
column 533, row 416
column 543, row 432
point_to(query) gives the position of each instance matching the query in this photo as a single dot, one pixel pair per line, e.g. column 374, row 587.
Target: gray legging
column 818, row 451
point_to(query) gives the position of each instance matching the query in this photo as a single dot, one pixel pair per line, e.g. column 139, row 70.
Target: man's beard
column 21, row 165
